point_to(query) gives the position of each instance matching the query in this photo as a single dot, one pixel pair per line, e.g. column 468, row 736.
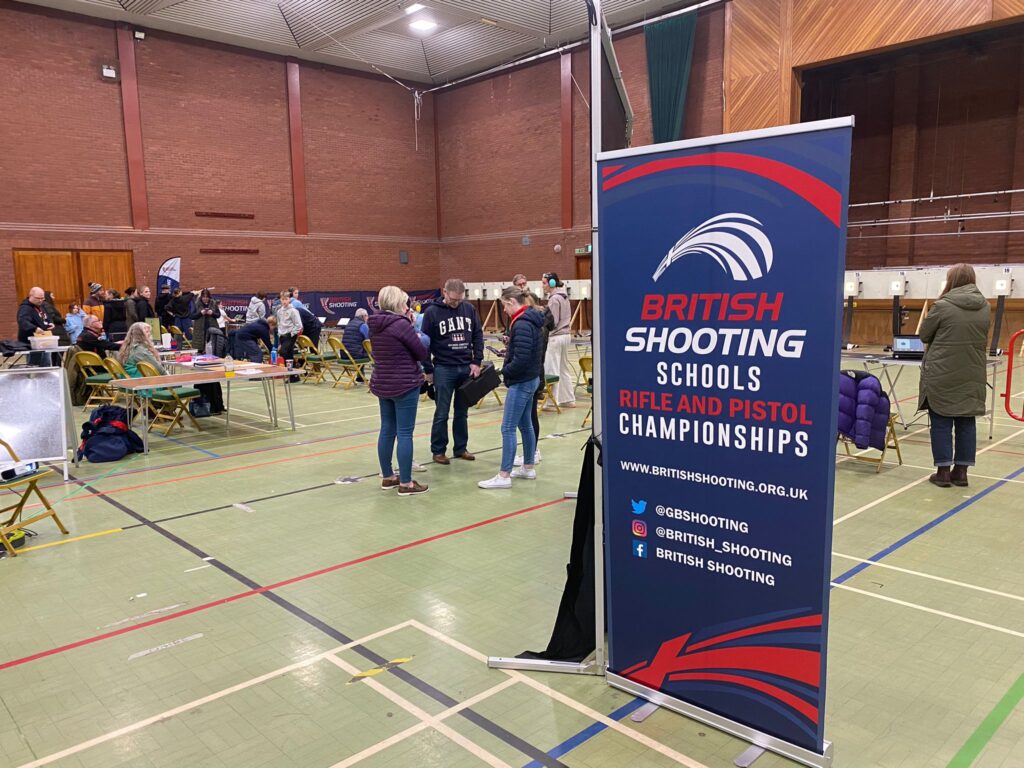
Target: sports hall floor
column 216, row 598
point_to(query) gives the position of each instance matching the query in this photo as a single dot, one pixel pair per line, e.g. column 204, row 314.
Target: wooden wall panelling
column 111, row 269
column 825, row 30
column 752, row 79
column 54, row 271
column 1007, row 9
column 872, row 320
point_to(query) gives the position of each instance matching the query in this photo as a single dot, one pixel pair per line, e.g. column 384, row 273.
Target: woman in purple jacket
column 396, row 381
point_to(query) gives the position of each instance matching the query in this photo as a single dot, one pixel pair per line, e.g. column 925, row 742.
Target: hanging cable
column 355, row 55
column 585, row 102
column 417, row 109
column 417, row 95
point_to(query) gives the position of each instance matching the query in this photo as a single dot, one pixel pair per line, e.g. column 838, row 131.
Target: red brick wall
column 500, row 152
column 62, row 153
column 500, row 145
column 364, row 172
column 215, row 134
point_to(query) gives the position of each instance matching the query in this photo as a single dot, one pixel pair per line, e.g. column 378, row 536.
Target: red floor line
column 249, row 452
column 229, row 470
column 277, row 585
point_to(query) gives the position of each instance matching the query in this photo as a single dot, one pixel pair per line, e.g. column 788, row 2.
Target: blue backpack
column 107, row 436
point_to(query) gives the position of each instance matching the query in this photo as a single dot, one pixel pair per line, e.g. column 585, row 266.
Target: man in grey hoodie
column 257, row 309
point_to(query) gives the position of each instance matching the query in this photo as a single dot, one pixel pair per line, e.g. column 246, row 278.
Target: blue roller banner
column 720, row 334
column 333, row 305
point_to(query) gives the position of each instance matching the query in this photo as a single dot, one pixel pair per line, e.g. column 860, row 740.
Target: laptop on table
column 907, row 347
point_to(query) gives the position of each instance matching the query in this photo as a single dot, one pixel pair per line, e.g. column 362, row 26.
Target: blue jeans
column 518, row 404
column 943, row 452
column 447, row 379
column 397, row 418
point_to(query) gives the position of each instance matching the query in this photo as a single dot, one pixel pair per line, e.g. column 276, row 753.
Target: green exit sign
column 585, row 249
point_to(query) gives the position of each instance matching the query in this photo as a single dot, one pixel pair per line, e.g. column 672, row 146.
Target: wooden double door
column 67, row 274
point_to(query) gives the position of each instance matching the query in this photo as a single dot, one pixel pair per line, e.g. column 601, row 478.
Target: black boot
column 941, row 477
column 959, row 476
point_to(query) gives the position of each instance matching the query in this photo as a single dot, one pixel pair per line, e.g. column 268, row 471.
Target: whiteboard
column 35, row 413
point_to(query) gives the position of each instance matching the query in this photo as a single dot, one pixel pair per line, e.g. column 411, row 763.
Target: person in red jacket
column 396, row 381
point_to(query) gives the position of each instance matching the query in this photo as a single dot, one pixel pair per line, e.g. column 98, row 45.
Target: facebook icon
column 639, row 548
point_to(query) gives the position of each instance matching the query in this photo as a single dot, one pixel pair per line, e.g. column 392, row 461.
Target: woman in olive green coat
column 953, row 374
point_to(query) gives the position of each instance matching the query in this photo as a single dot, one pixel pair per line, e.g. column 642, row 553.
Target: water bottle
column 229, row 367
column 273, row 355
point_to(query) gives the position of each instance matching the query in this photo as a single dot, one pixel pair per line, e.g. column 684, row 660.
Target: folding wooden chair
column 23, row 487
column 314, row 364
column 183, row 341
column 350, row 368
column 168, row 405
column 117, row 371
column 586, row 373
column 368, row 346
column 97, row 379
column 549, row 393
column 891, row 441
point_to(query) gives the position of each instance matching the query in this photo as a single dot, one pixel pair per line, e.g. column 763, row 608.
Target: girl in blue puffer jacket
column 523, row 368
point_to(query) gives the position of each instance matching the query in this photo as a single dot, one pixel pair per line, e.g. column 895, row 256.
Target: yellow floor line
column 68, row 541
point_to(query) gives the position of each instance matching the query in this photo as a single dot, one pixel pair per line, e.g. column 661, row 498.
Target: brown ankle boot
column 941, row 477
column 959, row 476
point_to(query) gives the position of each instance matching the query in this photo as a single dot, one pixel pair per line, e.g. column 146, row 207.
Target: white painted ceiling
column 471, row 35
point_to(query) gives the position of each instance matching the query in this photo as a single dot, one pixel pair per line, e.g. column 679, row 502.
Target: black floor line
column 424, row 687
column 317, row 487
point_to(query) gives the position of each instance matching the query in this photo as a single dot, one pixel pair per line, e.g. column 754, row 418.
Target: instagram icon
column 639, row 528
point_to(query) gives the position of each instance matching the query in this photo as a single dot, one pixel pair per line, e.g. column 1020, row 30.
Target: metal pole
column 595, row 148
column 932, row 198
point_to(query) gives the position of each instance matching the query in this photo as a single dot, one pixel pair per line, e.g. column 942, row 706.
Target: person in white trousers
column 557, row 361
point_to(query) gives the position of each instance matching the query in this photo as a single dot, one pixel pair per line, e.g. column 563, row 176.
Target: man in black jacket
column 32, row 317
column 90, row 341
column 456, row 352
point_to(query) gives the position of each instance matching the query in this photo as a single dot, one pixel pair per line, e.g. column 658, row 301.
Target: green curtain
column 669, row 56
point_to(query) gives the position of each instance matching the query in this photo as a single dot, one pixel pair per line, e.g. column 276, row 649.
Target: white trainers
column 496, row 482
column 524, row 474
column 519, row 459
column 417, row 467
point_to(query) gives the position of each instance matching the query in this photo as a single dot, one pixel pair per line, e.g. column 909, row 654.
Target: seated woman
column 138, row 347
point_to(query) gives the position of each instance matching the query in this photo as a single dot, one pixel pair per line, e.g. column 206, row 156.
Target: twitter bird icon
column 639, row 507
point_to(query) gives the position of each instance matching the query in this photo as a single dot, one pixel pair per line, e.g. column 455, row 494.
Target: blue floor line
column 193, row 447
column 590, row 732
column 925, row 528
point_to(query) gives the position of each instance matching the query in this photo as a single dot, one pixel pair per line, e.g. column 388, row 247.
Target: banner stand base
column 763, row 740
column 750, row 754
column 644, row 712
column 587, row 667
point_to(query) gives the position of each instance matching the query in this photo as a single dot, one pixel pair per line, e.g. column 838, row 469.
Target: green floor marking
column 983, row 735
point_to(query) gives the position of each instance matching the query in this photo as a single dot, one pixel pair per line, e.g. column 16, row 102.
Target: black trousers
column 287, row 350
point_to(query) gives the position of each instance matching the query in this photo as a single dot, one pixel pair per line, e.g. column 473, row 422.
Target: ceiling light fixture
column 423, row 25
column 414, row 7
